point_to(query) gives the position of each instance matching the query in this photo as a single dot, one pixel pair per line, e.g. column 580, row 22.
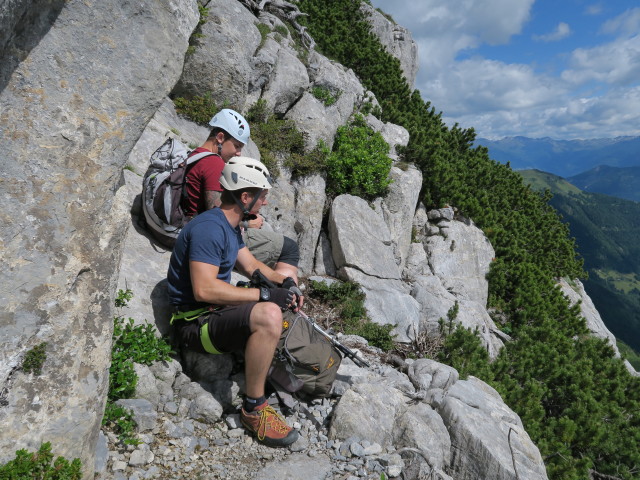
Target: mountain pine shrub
column 359, row 163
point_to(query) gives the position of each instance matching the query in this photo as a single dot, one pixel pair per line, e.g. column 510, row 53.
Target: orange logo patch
column 330, row 363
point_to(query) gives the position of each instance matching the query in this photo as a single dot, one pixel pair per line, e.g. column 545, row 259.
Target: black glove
column 280, row 296
column 288, row 283
column 291, row 284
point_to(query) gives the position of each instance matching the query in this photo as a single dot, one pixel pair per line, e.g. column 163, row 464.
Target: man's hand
column 282, row 297
column 256, row 222
column 290, row 284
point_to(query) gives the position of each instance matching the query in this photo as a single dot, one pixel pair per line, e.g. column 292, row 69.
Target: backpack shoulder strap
column 199, row 156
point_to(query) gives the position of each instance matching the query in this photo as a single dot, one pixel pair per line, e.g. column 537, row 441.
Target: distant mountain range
column 619, row 182
column 606, row 230
column 565, row 158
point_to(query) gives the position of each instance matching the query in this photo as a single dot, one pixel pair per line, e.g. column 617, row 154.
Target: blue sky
column 564, row 69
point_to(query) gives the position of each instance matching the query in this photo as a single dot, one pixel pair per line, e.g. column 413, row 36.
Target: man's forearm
column 268, row 272
column 222, row 293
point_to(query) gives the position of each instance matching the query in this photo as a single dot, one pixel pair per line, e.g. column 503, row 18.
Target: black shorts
column 229, row 329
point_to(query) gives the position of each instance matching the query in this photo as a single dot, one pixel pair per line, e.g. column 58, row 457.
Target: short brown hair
column 216, row 130
column 227, row 196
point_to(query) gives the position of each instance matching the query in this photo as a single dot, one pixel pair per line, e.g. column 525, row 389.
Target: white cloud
column 595, row 9
column 456, row 25
column 562, row 31
column 608, row 115
column 596, row 95
column 628, row 23
column 616, row 63
column 597, row 117
column 480, row 85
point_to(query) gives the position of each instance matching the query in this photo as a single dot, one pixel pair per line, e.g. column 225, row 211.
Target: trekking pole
column 347, row 352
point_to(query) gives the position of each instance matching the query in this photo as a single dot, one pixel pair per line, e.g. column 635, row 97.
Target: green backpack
column 305, row 361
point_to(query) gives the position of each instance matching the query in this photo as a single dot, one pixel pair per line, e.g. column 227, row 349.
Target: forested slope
column 619, row 182
column 606, row 230
column 577, row 401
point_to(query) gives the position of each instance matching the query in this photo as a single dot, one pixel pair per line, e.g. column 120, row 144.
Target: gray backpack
column 163, row 188
column 305, row 361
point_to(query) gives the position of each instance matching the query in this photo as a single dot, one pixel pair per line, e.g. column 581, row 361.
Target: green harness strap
column 188, row 316
column 204, row 330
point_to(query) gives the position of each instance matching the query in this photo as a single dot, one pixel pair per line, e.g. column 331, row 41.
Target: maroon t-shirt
column 202, row 176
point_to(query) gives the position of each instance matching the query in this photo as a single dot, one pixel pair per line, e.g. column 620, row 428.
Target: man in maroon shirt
column 229, row 134
column 203, row 178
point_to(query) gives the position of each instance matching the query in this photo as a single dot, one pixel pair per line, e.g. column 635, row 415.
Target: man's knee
column 267, row 316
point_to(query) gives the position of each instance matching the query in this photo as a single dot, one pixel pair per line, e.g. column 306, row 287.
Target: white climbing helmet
column 245, row 172
column 233, row 123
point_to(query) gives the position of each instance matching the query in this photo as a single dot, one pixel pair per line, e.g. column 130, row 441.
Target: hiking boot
column 268, row 426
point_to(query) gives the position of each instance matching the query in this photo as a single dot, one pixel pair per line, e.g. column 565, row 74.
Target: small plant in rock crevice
column 131, row 344
column 38, row 466
column 194, row 39
column 264, row 31
column 346, row 312
column 34, row 359
column 120, row 420
column 197, row 108
column 462, row 347
column 325, row 95
column 279, row 139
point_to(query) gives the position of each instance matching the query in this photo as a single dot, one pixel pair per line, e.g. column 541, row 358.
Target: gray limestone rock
column 426, row 374
column 422, row 428
column 367, row 410
column 490, row 434
column 310, row 200
column 205, row 408
column 461, row 259
column 230, row 28
column 398, row 208
column 394, row 135
column 360, row 239
column 323, row 260
column 575, row 292
column 311, row 115
column 298, row 466
column 286, row 82
column 435, row 303
column 397, row 40
column 388, row 302
column 143, row 411
column 71, row 112
column 146, row 387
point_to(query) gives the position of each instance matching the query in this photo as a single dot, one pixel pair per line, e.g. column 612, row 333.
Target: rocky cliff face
column 397, row 40
column 80, row 82
column 84, row 94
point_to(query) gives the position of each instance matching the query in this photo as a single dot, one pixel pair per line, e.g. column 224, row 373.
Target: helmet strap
column 219, row 149
column 246, row 211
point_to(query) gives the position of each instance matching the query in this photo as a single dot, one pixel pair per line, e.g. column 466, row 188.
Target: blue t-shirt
column 208, row 238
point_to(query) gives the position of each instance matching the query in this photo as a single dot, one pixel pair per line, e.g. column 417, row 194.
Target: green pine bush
column 359, row 164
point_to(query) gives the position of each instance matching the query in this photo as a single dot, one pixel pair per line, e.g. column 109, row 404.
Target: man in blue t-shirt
column 211, row 315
